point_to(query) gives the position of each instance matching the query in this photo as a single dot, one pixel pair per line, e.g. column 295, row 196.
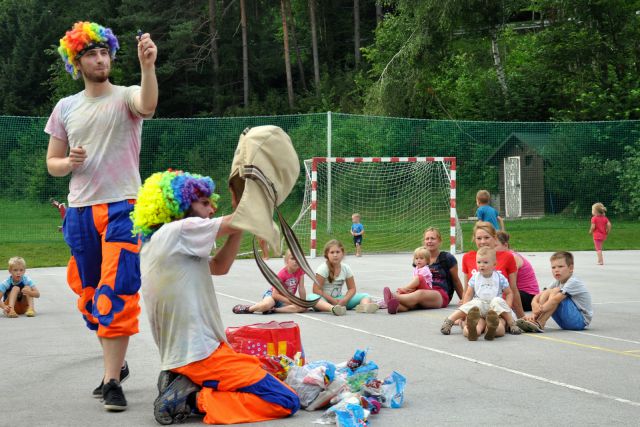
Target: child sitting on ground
column 18, row 291
column 487, row 312
column 567, row 299
column 421, row 273
column 486, row 212
column 292, row 277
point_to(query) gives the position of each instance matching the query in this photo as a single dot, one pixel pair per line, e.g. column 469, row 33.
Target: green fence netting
column 531, row 169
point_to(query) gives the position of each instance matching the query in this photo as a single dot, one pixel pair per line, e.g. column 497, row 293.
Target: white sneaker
column 339, row 310
column 370, row 307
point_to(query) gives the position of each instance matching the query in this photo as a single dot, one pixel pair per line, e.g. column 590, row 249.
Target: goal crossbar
column 316, row 161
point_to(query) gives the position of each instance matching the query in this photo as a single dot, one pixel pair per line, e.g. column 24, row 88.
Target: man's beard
column 98, row 77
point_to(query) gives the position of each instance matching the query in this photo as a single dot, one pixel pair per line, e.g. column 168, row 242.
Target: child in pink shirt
column 600, row 228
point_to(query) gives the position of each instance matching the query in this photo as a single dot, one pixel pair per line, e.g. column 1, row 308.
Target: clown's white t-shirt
column 110, row 129
column 178, row 291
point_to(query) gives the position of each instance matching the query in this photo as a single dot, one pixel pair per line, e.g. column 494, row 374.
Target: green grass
column 29, row 230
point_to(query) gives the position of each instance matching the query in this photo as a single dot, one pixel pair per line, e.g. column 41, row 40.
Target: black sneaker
column 113, row 396
column 124, row 374
column 172, row 405
column 164, row 379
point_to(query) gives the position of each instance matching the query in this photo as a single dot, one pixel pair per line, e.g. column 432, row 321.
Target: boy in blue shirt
column 357, row 230
column 18, row 291
column 486, row 212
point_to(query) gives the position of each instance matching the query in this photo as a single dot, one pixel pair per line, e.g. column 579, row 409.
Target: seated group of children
column 485, row 307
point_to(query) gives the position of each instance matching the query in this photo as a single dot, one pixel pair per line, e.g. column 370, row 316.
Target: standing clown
column 200, row 372
column 95, row 136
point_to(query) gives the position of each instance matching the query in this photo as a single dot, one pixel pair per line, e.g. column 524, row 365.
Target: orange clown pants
column 104, row 269
column 236, row 389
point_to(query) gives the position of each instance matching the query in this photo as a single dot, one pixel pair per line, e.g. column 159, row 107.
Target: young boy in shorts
column 566, row 300
column 357, row 231
column 18, row 291
column 486, row 212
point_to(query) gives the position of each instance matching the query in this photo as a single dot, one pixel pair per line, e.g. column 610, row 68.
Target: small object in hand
column 139, row 34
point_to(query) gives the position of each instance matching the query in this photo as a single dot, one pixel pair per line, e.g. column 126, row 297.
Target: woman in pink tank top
column 527, row 281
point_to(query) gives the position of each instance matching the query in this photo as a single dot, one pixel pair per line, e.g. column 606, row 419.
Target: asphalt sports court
column 52, row 362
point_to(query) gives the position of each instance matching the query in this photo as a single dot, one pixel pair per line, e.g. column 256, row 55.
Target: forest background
column 451, row 62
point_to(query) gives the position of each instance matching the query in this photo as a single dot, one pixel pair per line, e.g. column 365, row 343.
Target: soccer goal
column 396, row 197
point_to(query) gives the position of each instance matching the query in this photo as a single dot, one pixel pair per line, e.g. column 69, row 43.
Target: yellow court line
column 577, row 344
column 632, row 351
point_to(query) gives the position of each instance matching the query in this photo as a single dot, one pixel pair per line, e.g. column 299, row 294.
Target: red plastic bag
column 267, row 340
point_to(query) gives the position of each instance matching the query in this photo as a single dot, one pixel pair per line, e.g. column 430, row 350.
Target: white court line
column 469, row 359
column 615, row 302
column 607, row 337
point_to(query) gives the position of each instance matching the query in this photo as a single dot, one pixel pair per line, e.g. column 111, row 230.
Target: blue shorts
column 357, row 240
column 6, row 294
column 568, row 316
column 269, row 293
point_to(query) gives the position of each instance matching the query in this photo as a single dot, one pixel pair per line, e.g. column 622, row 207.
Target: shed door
column 512, row 188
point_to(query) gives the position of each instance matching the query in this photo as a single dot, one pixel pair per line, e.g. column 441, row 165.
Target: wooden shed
column 521, row 164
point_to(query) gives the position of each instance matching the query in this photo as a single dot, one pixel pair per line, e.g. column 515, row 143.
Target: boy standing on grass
column 486, row 212
column 567, row 300
column 18, row 291
column 357, row 230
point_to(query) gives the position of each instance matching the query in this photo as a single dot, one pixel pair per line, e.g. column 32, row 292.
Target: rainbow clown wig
column 82, row 37
column 166, row 196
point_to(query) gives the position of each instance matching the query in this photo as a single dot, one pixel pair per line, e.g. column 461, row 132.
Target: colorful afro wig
column 83, row 37
column 166, row 196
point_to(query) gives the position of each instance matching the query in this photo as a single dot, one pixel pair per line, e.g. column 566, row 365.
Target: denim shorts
column 568, row 316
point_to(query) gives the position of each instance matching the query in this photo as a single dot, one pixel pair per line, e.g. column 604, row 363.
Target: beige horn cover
column 269, row 149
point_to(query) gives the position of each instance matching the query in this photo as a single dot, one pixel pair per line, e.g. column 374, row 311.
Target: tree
column 287, row 60
column 314, row 45
column 245, row 53
column 356, row 31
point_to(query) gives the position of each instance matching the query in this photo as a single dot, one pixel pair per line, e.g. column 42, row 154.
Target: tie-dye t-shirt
column 110, row 129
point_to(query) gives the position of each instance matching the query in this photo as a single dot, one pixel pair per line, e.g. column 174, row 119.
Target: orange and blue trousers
column 236, row 389
column 104, row 269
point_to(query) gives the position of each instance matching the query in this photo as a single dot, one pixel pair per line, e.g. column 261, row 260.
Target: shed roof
column 537, row 141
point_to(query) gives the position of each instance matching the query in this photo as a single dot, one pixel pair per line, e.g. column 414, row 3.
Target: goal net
column 396, row 197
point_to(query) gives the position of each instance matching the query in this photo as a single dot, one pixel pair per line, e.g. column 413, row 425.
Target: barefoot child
column 487, row 312
column 567, row 300
column 18, row 291
column 600, row 228
column 292, row 277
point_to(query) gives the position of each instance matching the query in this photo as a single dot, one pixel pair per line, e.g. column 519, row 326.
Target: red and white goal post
column 397, row 198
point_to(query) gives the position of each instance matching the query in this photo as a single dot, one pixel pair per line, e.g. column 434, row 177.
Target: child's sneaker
column 30, row 312
column 445, row 329
column 113, row 396
column 12, row 313
column 370, row 307
column 492, row 325
column 528, row 326
column 472, row 322
column 514, row 330
column 124, row 374
column 172, row 405
column 242, row 309
column 339, row 310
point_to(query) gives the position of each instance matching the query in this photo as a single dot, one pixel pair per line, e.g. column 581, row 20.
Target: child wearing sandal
column 567, row 299
column 483, row 306
column 332, row 275
column 18, row 291
column 292, row 277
